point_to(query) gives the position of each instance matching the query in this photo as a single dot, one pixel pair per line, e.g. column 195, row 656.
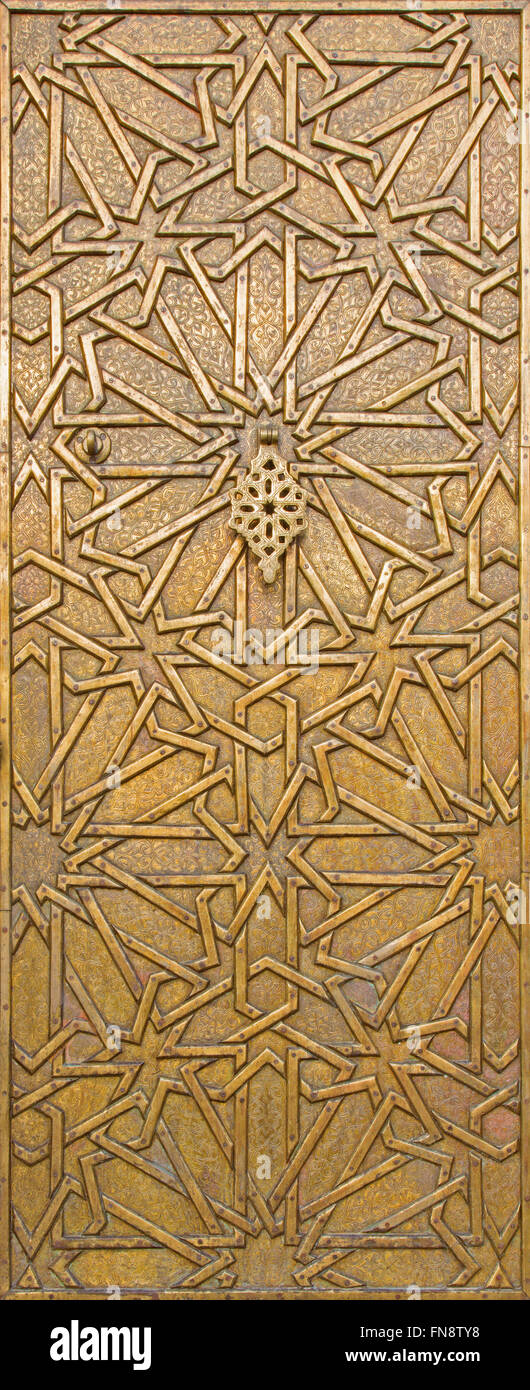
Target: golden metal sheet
column 265, row 893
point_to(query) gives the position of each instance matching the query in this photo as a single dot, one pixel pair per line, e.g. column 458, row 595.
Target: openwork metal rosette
column 268, row 506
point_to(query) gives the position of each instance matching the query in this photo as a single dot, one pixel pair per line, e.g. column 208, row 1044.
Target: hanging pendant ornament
column 268, row 506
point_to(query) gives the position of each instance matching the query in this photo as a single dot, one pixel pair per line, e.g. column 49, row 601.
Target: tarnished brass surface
column 265, row 919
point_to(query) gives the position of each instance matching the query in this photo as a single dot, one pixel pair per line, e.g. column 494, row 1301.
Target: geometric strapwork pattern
column 266, row 863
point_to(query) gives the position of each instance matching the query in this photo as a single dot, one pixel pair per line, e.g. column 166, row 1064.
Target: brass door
column 265, row 911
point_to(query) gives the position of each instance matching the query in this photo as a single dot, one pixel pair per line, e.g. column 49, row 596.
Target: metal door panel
column 266, row 479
